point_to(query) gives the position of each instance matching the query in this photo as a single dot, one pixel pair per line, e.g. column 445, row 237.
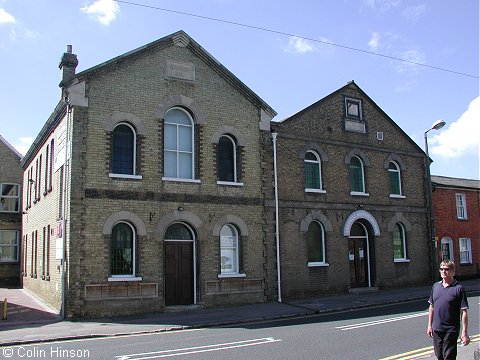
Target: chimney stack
column 68, row 64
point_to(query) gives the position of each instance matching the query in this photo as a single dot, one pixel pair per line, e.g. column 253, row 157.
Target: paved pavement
column 30, row 321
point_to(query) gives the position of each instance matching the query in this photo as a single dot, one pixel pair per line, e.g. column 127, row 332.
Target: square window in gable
column 353, row 108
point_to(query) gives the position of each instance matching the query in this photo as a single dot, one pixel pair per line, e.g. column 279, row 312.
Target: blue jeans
column 445, row 345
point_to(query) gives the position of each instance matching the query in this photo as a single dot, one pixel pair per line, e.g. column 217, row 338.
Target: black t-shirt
column 447, row 303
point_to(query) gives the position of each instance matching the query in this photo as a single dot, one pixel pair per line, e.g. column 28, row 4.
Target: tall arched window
column 123, row 250
column 178, row 145
column 357, row 180
column 313, row 171
column 124, row 148
column 395, row 178
column 316, row 244
column 229, row 250
column 399, row 243
column 227, row 159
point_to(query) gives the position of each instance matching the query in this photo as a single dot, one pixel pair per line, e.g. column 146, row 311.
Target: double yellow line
column 415, row 354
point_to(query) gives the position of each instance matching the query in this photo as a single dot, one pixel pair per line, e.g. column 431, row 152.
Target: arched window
column 227, row 159
column 229, row 250
column 395, row 179
column 178, row 231
column 124, row 148
column 399, row 242
column 357, row 180
column 123, row 250
column 313, row 171
column 316, row 244
column 178, row 145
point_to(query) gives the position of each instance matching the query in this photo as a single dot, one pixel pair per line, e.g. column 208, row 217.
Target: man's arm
column 465, row 338
column 430, row 321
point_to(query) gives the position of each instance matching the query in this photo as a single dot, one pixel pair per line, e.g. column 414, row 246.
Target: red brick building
column 456, row 204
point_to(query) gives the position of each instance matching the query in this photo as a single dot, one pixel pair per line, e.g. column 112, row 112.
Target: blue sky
column 290, row 53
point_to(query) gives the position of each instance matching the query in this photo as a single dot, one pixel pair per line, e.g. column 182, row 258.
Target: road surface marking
column 416, row 354
column 196, row 349
column 379, row 322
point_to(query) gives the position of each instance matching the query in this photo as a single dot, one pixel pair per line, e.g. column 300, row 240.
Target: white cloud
column 413, row 13
column 300, row 45
column 374, row 41
column 382, row 5
column 24, row 145
column 6, row 18
column 394, row 45
column 461, row 137
column 104, row 11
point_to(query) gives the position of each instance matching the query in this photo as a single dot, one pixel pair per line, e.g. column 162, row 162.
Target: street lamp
column 431, row 223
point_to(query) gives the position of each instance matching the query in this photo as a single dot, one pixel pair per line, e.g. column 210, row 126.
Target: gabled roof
column 444, row 181
column 183, row 39
column 10, row 147
column 351, row 84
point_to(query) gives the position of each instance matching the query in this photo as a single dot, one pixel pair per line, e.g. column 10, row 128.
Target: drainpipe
column 277, row 224
column 64, row 209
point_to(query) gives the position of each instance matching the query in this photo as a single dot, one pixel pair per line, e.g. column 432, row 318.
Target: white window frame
column 234, row 146
column 362, row 171
column 18, row 197
column 133, row 276
column 177, row 151
column 318, row 161
column 134, row 174
column 449, row 241
column 358, row 103
column 17, row 246
column 324, row 262
column 398, row 174
column 461, row 203
column 465, row 246
column 404, row 245
column 236, row 247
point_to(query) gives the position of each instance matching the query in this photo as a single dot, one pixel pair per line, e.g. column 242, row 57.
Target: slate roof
column 444, row 181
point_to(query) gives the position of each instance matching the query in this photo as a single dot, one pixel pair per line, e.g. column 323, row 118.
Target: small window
column 229, row 252
column 447, row 248
column 357, row 183
column 123, row 250
column 465, row 247
column 461, row 206
column 9, row 241
column 313, row 171
column 124, row 148
column 10, row 198
column 395, row 178
column 399, row 243
column 178, row 145
column 353, row 108
column 227, row 159
column 316, row 244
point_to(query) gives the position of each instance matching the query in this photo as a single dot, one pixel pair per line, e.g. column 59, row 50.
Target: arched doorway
column 180, row 265
column 360, row 228
column 359, row 256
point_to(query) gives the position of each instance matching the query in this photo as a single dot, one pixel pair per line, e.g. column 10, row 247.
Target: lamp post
column 431, row 223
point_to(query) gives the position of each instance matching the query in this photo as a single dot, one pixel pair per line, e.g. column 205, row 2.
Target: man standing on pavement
column 448, row 304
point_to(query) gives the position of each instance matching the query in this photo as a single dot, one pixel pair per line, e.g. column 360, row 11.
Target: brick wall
column 447, row 225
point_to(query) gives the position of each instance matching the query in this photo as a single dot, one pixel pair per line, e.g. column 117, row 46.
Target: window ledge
column 466, row 263
column 181, row 180
column 462, row 219
column 125, row 176
column 125, row 278
column 317, row 191
column 396, row 196
column 229, row 183
column 227, row 276
column 358, row 193
column 318, row 264
column 401, row 260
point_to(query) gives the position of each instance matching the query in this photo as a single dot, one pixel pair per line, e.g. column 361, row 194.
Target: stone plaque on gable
column 180, row 71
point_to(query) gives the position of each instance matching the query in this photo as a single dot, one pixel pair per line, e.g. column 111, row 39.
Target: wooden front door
column 357, row 253
column 179, row 273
